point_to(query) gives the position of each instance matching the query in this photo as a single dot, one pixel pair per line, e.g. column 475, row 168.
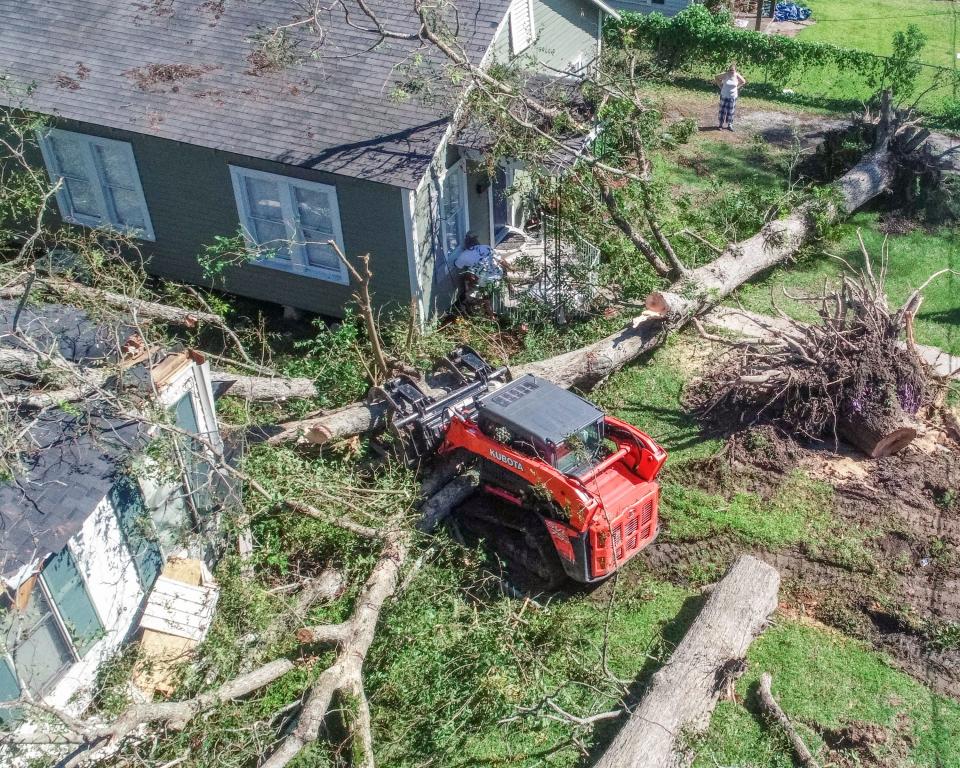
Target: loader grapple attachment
column 420, row 421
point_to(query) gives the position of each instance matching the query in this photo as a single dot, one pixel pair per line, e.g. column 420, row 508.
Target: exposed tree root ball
column 849, row 376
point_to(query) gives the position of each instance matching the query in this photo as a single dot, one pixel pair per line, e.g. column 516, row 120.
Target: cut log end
column 877, row 434
column 317, row 435
column 656, row 302
column 893, row 443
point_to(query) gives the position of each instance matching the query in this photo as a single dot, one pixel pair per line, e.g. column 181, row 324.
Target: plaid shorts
column 728, row 107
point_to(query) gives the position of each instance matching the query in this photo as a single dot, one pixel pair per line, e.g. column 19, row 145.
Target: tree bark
column 876, row 431
column 263, row 387
column 445, row 500
column 693, row 293
column 684, row 692
column 772, row 245
column 139, row 308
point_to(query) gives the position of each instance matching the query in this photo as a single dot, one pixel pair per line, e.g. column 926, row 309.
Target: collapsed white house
column 90, row 515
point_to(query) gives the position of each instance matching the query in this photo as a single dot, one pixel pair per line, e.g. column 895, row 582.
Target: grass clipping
column 854, row 375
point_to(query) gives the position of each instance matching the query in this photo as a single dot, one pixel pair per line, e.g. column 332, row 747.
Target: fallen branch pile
column 848, row 376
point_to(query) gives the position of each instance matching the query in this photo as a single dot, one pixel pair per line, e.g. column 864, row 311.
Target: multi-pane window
column 522, row 30
column 98, row 182
column 453, row 209
column 69, row 594
column 34, row 642
column 9, row 691
column 199, row 472
column 137, row 530
column 290, row 222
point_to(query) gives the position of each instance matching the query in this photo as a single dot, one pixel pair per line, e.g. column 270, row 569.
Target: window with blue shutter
column 137, row 530
column 69, row 594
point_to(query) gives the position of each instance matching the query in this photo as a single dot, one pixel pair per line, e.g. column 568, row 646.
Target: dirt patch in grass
column 862, row 745
column 875, row 558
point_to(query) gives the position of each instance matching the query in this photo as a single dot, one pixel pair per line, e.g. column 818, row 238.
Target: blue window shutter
column 9, row 691
column 137, row 530
column 67, row 590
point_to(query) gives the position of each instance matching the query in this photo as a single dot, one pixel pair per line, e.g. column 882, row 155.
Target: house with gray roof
column 180, row 121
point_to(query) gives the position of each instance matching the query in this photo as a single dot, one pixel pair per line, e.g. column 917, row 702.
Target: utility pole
column 760, row 16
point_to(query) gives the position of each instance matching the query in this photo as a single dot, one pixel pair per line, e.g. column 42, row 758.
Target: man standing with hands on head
column 730, row 83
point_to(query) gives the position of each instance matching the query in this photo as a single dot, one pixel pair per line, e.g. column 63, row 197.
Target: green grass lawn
column 648, row 394
column 913, row 258
column 823, row 679
column 870, row 25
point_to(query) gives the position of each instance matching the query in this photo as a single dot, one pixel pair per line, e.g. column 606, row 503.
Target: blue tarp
column 791, row 12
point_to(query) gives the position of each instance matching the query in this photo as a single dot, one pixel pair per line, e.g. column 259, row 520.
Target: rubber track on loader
column 517, row 537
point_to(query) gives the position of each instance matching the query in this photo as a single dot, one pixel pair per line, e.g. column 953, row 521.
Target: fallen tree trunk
column 695, row 292
column 139, row 308
column 772, row 245
column 263, row 387
column 684, row 692
column 446, row 499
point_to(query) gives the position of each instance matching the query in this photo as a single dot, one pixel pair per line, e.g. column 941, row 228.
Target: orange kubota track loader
column 565, row 484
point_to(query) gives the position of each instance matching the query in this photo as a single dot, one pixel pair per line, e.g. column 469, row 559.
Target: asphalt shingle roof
column 91, row 60
column 71, row 463
column 69, row 460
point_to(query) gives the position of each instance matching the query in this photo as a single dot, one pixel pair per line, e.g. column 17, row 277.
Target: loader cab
column 540, row 419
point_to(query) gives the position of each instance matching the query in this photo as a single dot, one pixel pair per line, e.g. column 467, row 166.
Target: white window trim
column 458, row 167
column 298, row 263
column 94, row 173
column 518, row 46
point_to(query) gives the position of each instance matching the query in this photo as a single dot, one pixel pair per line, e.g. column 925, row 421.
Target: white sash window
column 99, row 183
column 289, row 222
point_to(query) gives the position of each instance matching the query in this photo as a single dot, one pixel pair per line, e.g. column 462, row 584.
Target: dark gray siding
column 564, row 29
column 667, row 8
column 190, row 197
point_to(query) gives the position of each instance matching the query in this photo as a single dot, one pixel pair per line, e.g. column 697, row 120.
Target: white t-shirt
column 480, row 260
column 473, row 256
column 730, row 87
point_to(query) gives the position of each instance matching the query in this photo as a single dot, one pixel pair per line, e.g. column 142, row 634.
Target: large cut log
column 685, row 690
column 881, row 430
column 263, row 387
column 695, row 292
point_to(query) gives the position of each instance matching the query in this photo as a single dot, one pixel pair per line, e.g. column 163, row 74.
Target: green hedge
column 699, row 37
